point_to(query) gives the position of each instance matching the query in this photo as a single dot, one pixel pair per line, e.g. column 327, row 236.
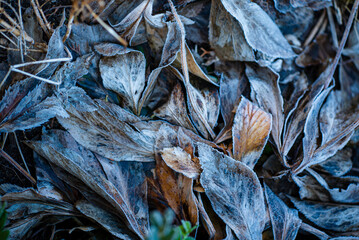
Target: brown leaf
column 181, row 161
column 251, row 128
column 233, row 83
column 170, row 189
column 265, row 85
column 234, row 191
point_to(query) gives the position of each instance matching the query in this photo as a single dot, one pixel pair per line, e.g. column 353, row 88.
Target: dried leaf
column 127, row 26
column 234, row 191
column 233, row 83
column 181, row 161
column 84, row 37
column 170, row 50
column 175, row 110
column 311, row 133
column 170, row 189
column 194, row 68
column 335, row 217
column 61, row 149
column 265, row 85
column 259, row 30
column 207, row 105
column 106, row 219
column 295, row 119
column 285, row 221
column 315, row 5
column 108, row 129
column 125, row 74
column 251, row 128
column 19, row 112
column 337, row 165
column 228, row 42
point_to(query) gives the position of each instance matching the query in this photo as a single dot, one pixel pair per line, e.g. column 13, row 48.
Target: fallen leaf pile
column 237, row 117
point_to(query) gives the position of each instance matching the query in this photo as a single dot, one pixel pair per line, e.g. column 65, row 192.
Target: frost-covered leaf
column 21, row 111
column 234, row 191
column 311, row 133
column 128, row 25
column 335, row 217
column 251, row 128
column 106, row 219
column 265, row 85
column 181, row 161
column 108, row 129
column 125, row 74
column 260, row 31
column 62, row 150
column 337, row 165
column 228, row 42
column 285, row 221
column 232, row 84
column 175, row 109
column 170, row 189
column 207, row 106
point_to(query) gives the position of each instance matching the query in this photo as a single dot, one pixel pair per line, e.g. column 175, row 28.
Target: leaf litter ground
column 187, row 119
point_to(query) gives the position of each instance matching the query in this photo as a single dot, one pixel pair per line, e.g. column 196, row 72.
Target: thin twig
column 332, row 28
column 107, row 27
column 21, row 42
column 315, row 30
column 342, row 42
column 69, row 26
column 47, row 24
column 39, row 18
column 17, row 166
column 22, row 156
column 4, row 140
column 14, row 68
column 16, row 31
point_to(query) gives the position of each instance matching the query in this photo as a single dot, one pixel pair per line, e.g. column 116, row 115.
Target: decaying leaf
column 251, row 128
column 61, row 149
column 111, row 126
column 232, row 84
column 335, row 217
column 20, row 110
column 125, row 74
column 234, row 191
column 259, row 30
column 181, row 161
column 175, row 110
column 285, row 221
column 265, row 85
column 229, row 42
column 174, row 190
column 207, row 105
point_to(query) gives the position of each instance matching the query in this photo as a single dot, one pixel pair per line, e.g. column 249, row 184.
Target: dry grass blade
column 106, row 26
column 14, row 68
column 17, row 166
